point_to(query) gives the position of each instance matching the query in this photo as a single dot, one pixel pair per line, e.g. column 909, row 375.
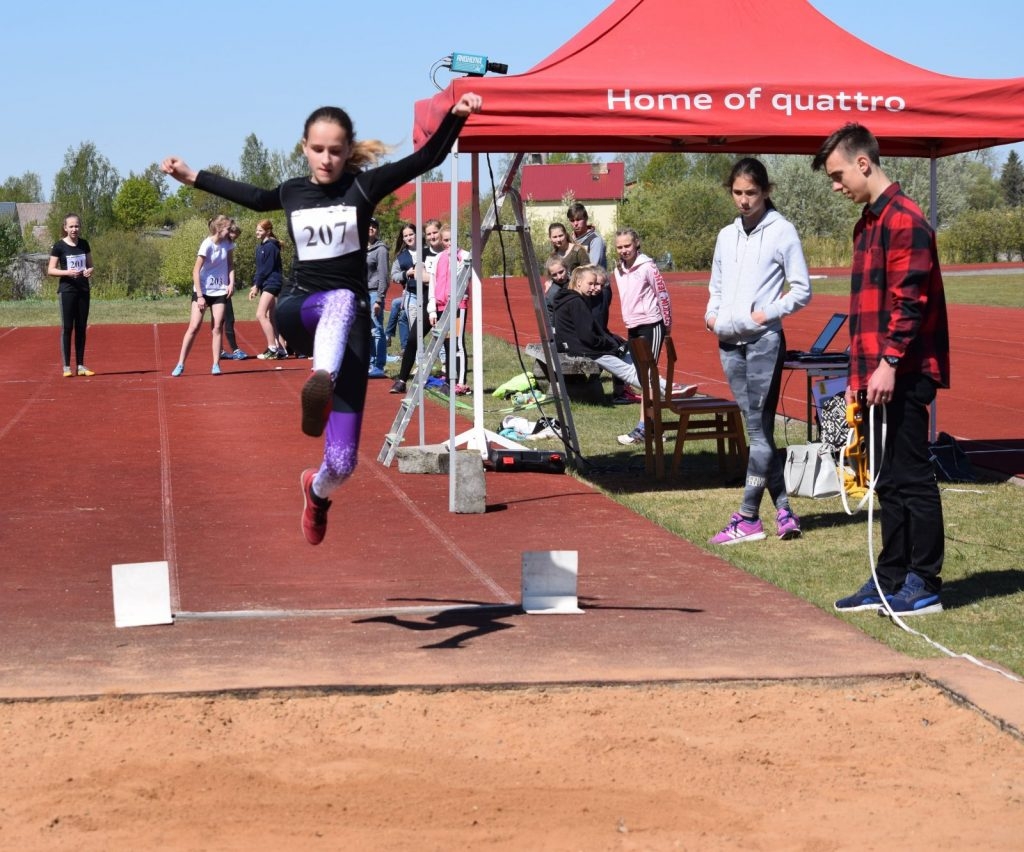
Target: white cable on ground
column 885, row 608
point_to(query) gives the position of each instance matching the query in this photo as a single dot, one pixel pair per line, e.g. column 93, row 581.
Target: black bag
column 950, row 460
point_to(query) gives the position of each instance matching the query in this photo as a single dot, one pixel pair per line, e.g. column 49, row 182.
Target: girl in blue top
column 266, row 286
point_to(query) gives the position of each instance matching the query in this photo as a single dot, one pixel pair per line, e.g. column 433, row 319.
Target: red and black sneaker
column 314, row 509
column 316, row 403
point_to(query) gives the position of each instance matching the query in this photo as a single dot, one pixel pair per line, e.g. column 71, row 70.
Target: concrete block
column 470, row 486
column 426, row 459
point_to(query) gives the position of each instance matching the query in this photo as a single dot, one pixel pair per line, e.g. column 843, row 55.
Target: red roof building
column 597, row 186
column 584, row 181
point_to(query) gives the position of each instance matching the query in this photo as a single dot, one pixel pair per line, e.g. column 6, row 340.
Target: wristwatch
column 892, row 360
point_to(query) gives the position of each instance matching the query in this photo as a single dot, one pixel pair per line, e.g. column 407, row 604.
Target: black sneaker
column 397, row 387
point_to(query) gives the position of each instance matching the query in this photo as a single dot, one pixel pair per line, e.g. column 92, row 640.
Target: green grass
column 42, row 312
column 1004, row 290
column 983, row 580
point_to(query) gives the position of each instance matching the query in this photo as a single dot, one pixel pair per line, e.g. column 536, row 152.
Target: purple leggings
column 335, row 326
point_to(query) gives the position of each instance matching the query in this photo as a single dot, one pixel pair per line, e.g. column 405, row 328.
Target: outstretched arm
column 468, row 103
column 179, row 170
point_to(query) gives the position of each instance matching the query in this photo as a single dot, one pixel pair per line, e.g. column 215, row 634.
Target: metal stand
column 478, row 437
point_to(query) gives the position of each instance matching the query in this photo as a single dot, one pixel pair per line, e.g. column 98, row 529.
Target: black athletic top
column 329, row 223
column 71, row 257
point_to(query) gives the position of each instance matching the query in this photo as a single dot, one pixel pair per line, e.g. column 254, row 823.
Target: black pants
column 913, row 533
column 74, row 317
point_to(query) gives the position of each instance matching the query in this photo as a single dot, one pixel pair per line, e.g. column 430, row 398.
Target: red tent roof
column 437, row 199
column 586, row 181
column 670, row 75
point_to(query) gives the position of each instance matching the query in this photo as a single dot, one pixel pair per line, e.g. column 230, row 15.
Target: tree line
column 675, row 201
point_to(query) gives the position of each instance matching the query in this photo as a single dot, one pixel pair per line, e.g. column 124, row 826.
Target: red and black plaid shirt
column 897, row 302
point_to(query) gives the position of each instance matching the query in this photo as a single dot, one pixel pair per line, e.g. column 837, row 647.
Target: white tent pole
column 476, row 303
column 453, row 312
column 420, row 307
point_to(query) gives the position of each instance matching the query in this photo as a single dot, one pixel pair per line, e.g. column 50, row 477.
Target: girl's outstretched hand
column 468, row 104
column 179, row 170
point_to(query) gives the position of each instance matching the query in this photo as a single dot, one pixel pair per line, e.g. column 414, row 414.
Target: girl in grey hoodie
column 755, row 257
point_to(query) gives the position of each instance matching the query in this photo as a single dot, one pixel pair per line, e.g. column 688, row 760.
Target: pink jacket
column 643, row 296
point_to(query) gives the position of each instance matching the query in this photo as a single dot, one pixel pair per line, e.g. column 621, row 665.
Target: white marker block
column 142, row 594
column 549, row 582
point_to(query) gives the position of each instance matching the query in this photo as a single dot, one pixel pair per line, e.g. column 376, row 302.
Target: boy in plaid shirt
column 899, row 357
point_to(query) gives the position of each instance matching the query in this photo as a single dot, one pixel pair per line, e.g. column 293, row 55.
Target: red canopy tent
column 743, row 76
column 738, row 76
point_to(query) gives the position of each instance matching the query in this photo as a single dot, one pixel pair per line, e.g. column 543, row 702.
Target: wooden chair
column 698, row 418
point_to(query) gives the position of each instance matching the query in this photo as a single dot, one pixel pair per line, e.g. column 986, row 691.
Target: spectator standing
column 755, row 258
column 232, row 352
column 403, row 273
column 566, row 250
column 586, row 234
column 213, row 282
column 377, row 272
column 899, row 358
column 266, row 286
column 440, row 294
column 71, row 262
column 421, row 320
column 644, row 301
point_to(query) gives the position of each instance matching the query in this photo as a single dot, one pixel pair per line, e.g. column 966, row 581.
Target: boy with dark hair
column 899, row 357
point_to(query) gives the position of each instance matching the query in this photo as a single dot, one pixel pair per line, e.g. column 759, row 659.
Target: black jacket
column 577, row 332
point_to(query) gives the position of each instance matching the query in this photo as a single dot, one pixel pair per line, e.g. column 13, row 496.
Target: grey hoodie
column 377, row 270
column 749, row 273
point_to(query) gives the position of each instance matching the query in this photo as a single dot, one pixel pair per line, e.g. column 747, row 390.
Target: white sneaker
column 634, row 437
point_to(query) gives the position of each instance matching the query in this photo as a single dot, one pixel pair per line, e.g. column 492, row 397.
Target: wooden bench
column 582, row 375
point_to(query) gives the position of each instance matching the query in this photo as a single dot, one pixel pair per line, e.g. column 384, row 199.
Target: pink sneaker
column 740, row 529
column 787, row 524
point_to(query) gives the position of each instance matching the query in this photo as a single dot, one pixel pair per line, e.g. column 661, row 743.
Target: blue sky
column 145, row 80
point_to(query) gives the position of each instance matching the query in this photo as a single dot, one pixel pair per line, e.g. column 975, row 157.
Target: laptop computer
column 817, row 351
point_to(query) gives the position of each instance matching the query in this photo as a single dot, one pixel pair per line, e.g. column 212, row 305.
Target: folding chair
column 698, row 418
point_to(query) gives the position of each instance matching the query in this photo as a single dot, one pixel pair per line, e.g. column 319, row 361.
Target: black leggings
column 74, row 316
column 229, row 324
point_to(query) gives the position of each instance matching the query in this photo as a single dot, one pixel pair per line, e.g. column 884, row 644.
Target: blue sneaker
column 377, row 373
column 238, row 355
column 866, row 597
column 914, row 599
column 177, row 371
column 216, row 370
